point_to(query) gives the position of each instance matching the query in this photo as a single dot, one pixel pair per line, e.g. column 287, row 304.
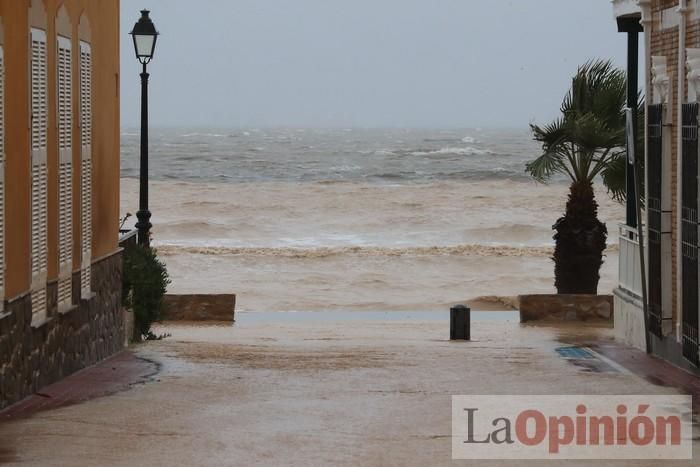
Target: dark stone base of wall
column 671, row 350
column 566, row 308
column 34, row 357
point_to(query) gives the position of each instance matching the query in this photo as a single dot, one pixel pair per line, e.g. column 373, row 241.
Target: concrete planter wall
column 34, row 357
column 220, row 307
column 566, row 308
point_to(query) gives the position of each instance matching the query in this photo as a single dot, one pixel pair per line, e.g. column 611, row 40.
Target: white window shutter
column 2, row 179
column 65, row 182
column 39, row 173
column 86, row 166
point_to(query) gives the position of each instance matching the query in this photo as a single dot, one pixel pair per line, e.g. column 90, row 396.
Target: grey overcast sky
column 363, row 63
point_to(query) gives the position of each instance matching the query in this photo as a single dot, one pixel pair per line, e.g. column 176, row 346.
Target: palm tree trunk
column 580, row 241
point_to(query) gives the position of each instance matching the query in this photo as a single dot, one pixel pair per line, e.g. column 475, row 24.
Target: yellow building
column 60, row 281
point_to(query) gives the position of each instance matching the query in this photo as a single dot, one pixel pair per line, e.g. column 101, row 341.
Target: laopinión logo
column 572, row 427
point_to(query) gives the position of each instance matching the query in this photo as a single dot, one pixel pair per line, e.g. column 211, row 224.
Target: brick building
column 60, row 274
column 671, row 64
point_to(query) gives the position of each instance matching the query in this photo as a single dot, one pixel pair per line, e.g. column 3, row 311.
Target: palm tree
column 586, row 142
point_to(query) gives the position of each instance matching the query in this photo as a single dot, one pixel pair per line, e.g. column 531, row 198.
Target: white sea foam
column 467, row 151
column 203, row 135
column 346, row 168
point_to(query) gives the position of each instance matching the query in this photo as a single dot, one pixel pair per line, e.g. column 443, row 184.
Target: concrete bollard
column 460, row 323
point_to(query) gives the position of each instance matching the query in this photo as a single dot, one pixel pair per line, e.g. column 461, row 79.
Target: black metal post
column 632, row 27
column 632, row 103
column 460, row 323
column 144, row 215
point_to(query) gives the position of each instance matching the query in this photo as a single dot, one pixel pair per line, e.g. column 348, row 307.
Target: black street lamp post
column 145, row 37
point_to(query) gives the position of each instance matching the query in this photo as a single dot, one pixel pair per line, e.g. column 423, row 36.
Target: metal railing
column 630, row 269
column 128, row 238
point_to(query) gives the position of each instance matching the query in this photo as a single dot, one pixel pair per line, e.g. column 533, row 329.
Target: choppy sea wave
column 325, row 252
column 454, row 151
column 355, row 219
column 322, row 155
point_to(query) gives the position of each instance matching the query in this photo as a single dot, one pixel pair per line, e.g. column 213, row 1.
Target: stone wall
column 220, row 307
column 31, row 358
column 566, row 308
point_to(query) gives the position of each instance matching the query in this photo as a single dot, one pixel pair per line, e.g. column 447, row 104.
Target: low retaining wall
column 629, row 319
column 200, row 307
column 31, row 358
column 566, row 308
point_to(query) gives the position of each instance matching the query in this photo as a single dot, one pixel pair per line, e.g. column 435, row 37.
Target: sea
column 298, row 219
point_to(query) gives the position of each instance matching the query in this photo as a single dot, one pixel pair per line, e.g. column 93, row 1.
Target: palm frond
column 550, row 135
column 548, row 164
column 590, row 133
column 615, row 177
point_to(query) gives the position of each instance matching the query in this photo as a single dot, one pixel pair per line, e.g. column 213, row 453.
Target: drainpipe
column 683, row 11
column 646, row 22
column 645, row 6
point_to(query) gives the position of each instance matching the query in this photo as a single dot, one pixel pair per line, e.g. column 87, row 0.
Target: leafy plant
column 587, row 141
column 145, row 281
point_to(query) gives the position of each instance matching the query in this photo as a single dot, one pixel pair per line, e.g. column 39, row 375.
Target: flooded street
column 314, row 390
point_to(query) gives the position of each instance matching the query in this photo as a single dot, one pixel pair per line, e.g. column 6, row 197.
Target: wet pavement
column 117, row 373
column 313, row 390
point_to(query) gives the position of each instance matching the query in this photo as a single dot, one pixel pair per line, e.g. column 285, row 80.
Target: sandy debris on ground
column 261, row 357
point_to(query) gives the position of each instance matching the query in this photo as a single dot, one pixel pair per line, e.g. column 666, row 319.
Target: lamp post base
column 144, row 227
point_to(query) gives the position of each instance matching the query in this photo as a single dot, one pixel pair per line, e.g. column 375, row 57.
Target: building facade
column 671, row 64
column 60, row 274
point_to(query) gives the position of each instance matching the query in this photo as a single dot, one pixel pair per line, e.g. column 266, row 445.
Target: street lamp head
column 145, row 36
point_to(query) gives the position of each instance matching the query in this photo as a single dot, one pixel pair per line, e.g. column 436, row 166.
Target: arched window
column 86, row 156
column 39, row 127
column 64, row 114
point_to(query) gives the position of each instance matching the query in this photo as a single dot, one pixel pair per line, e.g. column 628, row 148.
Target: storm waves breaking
column 325, row 252
column 347, row 219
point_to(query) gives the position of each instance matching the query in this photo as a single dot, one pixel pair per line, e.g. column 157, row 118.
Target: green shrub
column 145, row 281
